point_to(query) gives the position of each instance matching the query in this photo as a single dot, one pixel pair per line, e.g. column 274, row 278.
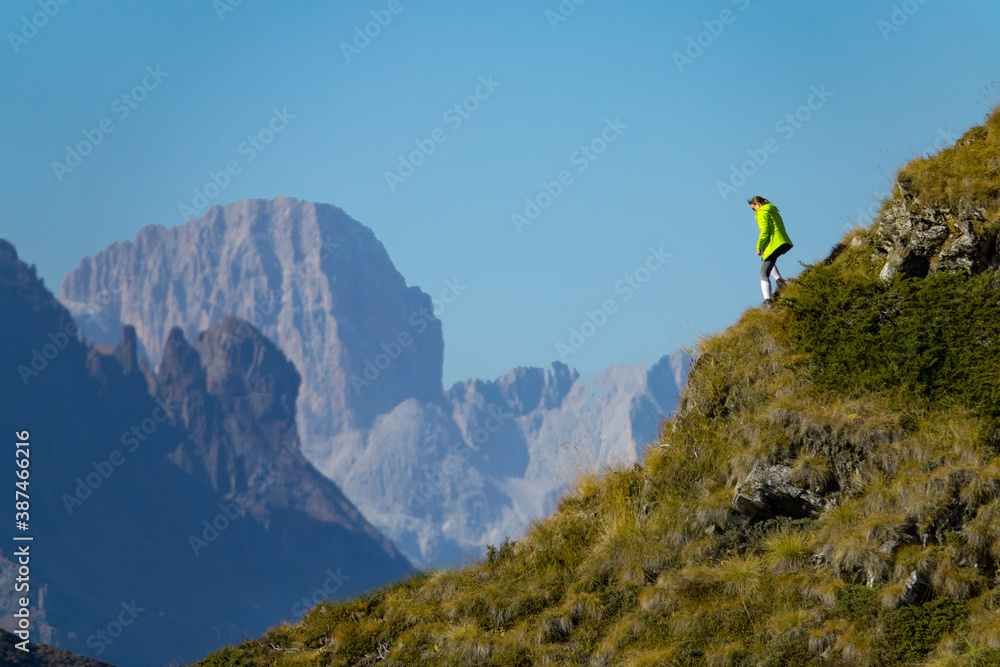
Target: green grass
column 966, row 174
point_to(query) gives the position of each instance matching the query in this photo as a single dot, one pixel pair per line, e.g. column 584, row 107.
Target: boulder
column 768, row 492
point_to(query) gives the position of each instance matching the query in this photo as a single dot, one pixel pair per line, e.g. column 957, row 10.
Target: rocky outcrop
column 915, row 240
column 915, row 589
column 768, row 492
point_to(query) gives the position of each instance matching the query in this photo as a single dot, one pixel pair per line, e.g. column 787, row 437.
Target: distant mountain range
column 171, row 511
column 441, row 473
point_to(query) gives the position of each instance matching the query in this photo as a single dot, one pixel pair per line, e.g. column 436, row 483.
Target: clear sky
column 666, row 98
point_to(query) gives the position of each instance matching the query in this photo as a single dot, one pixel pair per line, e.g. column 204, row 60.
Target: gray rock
column 768, row 492
column 915, row 589
column 890, row 547
column 917, row 240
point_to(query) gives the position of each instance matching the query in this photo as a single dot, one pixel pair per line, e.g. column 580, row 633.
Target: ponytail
column 759, row 200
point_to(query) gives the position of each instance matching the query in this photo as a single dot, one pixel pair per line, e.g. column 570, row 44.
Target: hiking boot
column 780, row 284
column 767, row 304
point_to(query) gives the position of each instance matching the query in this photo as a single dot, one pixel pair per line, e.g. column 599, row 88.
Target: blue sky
column 872, row 84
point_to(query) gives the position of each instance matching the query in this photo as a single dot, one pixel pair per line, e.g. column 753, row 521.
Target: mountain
column 828, row 492
column 443, row 483
column 234, row 394
column 561, row 424
column 170, row 511
column 373, row 414
column 308, row 276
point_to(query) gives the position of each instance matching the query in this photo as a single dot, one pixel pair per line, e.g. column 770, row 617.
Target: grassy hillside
column 879, row 400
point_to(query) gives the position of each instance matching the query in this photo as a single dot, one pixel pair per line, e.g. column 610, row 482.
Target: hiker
column 772, row 244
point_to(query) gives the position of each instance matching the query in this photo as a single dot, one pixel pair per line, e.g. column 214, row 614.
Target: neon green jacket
column 772, row 231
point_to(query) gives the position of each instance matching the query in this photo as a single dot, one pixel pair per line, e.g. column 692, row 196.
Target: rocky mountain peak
column 305, row 275
column 242, row 366
column 441, row 474
column 120, row 365
column 521, row 390
column 234, row 392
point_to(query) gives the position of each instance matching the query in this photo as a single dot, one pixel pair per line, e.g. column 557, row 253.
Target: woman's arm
column 764, row 223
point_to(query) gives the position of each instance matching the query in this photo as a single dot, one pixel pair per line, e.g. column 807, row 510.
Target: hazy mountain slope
column 234, row 537
column 235, row 394
column 827, row 494
column 40, row 655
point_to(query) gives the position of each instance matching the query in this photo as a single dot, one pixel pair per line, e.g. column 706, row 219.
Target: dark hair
column 759, row 200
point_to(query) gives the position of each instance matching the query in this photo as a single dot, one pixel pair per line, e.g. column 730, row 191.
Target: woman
column 772, row 244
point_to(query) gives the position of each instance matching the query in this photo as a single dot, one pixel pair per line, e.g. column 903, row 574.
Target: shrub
column 914, row 631
column 936, row 339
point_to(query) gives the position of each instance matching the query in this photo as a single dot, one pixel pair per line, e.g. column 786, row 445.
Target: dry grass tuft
column 951, row 579
column 985, row 629
column 813, row 472
column 788, row 551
